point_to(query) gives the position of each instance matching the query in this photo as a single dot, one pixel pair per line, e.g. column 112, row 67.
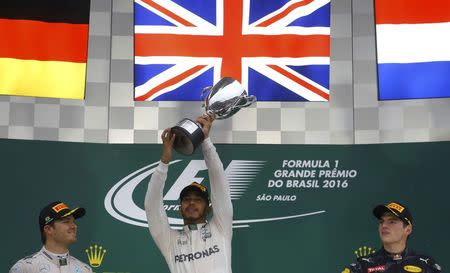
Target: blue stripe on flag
column 260, row 8
column 143, row 16
column 202, row 8
column 190, row 91
column 317, row 73
column 143, row 72
column 413, row 80
column 266, row 89
column 319, row 18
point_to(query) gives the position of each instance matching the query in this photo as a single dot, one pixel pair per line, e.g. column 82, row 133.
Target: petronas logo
column 364, row 251
column 95, row 255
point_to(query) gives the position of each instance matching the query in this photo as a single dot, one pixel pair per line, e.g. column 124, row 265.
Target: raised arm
column 158, row 222
column 220, row 190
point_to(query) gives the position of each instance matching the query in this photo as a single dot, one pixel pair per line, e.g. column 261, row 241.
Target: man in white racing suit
column 202, row 246
column 58, row 232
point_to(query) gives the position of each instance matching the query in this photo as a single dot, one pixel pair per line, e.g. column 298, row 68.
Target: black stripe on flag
column 64, row 11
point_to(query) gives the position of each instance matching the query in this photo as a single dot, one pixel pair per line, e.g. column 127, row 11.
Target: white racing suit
column 44, row 261
column 201, row 248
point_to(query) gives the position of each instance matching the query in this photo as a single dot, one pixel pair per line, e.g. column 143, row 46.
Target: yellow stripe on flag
column 52, row 79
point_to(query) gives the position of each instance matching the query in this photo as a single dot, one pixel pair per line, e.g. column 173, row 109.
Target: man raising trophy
column 202, row 246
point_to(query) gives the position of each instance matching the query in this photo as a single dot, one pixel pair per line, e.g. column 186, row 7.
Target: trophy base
column 188, row 136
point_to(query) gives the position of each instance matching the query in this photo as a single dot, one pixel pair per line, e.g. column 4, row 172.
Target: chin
column 193, row 219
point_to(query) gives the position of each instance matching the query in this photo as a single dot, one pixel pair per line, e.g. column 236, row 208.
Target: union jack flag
column 278, row 50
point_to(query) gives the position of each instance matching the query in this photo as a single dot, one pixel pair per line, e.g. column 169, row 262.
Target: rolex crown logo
column 95, row 255
column 364, row 251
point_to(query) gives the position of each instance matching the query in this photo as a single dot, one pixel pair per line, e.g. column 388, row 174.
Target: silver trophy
column 221, row 101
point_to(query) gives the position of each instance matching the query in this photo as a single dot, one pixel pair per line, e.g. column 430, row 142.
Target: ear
column 48, row 229
column 408, row 229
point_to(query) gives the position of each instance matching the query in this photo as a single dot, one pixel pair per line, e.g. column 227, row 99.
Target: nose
column 383, row 225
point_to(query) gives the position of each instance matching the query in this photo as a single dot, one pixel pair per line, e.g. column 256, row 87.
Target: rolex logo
column 364, row 251
column 95, row 255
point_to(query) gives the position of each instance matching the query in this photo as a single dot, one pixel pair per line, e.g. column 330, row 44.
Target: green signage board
column 298, row 208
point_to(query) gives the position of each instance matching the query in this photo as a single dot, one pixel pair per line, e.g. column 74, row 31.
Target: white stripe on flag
column 413, row 43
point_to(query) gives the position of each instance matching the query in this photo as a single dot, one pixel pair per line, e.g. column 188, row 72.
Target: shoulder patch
column 17, row 268
column 430, row 262
column 437, row 267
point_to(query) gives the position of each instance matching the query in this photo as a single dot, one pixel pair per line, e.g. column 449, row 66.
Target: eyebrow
column 390, row 218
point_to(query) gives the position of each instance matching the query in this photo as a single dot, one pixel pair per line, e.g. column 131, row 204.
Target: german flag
column 43, row 47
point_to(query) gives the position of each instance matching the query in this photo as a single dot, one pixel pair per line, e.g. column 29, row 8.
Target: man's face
column 194, row 208
column 392, row 230
column 63, row 231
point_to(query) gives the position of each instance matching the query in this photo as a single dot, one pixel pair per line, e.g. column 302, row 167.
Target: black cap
column 395, row 208
column 195, row 187
column 57, row 210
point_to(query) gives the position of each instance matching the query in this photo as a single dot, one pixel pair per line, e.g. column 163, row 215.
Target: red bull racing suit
column 382, row 261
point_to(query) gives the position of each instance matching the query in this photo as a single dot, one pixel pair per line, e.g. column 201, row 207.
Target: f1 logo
column 186, row 177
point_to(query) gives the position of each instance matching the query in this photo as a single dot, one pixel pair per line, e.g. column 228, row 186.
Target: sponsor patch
column 200, row 186
column 379, row 268
column 59, row 207
column 180, row 258
column 396, row 206
column 412, row 268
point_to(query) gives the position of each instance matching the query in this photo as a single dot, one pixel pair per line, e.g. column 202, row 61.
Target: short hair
column 43, row 236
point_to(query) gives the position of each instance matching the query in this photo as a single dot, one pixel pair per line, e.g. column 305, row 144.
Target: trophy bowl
column 188, row 135
column 220, row 101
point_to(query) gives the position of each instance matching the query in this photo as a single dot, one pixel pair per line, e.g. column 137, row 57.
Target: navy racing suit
column 382, row 261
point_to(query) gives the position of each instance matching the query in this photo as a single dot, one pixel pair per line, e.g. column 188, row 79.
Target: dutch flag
column 413, row 49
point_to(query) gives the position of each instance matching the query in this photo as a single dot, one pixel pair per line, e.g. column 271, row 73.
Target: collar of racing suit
column 57, row 259
column 194, row 226
column 396, row 256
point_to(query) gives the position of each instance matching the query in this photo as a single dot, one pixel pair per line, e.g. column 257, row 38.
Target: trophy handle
column 211, row 114
column 206, row 89
column 245, row 101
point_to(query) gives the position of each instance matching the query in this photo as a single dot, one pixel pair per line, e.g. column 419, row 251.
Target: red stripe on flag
column 217, row 46
column 282, row 14
column 171, row 82
column 168, row 13
column 301, row 82
column 34, row 40
column 412, row 11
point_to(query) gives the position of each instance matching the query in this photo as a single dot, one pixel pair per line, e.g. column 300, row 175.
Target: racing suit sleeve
column 220, row 190
column 158, row 222
column 18, row 267
column 431, row 264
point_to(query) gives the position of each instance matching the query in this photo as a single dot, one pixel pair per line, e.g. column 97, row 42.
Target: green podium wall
column 297, row 208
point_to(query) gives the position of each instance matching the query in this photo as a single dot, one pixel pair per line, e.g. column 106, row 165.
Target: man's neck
column 194, row 221
column 395, row 248
column 56, row 248
column 186, row 223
